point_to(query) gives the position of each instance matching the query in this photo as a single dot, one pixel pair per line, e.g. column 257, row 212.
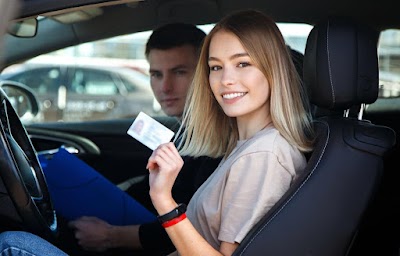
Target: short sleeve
column 256, row 181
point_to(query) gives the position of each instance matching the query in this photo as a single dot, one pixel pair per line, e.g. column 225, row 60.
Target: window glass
column 134, row 80
column 295, row 35
column 389, row 63
column 86, row 81
column 41, row 80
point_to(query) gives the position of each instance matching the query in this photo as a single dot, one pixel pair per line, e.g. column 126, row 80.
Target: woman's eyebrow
column 234, row 56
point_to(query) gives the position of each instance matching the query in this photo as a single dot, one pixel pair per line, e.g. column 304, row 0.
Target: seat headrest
column 341, row 64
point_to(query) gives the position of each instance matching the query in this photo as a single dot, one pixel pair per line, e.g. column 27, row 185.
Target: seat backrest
column 321, row 212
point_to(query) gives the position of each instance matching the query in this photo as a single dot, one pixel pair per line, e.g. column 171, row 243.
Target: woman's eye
column 215, row 68
column 243, row 64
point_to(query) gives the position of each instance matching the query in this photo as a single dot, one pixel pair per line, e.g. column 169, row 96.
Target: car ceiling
column 141, row 15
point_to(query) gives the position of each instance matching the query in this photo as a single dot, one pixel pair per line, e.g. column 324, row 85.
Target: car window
column 41, row 80
column 389, row 64
column 295, row 35
column 389, row 73
column 93, row 82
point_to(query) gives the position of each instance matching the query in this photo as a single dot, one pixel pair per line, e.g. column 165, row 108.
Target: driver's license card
column 149, row 132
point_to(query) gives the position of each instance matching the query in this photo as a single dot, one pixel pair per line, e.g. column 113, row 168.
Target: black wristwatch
column 178, row 211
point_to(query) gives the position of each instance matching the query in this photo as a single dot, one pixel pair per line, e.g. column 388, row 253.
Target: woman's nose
column 227, row 76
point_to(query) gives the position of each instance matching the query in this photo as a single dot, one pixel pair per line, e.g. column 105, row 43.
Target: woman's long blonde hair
column 206, row 128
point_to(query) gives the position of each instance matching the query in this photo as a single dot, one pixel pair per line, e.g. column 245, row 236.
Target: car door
column 91, row 94
column 107, row 92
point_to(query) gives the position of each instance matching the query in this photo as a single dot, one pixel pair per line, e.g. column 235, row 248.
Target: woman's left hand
column 164, row 165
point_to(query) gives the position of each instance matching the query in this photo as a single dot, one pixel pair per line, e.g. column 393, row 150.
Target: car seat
column 321, row 212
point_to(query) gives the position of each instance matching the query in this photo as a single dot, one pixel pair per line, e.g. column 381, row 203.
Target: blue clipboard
column 76, row 190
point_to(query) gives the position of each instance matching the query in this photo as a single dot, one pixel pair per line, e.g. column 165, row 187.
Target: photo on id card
column 149, row 131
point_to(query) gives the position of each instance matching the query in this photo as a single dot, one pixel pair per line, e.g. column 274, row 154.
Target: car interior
column 347, row 200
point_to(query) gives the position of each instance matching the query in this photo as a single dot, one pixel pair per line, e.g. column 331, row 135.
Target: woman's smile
column 233, row 95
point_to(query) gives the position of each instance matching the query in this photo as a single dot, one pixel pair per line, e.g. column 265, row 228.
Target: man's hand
column 92, row 233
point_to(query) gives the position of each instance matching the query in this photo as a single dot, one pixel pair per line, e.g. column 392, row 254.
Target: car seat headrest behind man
column 341, row 71
column 297, row 58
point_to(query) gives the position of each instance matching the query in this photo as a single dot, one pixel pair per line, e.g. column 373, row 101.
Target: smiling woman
column 89, row 110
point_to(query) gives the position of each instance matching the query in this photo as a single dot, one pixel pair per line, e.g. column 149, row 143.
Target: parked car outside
column 73, row 92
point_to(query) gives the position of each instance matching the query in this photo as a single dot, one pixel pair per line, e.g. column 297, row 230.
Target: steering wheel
column 24, row 197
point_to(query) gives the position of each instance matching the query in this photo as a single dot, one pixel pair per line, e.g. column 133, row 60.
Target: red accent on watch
column 174, row 221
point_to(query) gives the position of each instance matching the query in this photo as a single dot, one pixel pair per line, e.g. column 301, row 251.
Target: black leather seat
column 321, row 213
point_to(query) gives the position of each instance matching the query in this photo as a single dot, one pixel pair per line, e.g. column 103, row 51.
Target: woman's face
column 240, row 88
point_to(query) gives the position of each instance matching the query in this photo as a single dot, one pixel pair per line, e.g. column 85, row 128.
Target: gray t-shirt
column 244, row 187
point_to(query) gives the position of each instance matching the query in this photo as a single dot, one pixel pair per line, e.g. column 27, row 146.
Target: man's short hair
column 174, row 35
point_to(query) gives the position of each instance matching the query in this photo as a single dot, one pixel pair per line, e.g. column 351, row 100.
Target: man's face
column 171, row 73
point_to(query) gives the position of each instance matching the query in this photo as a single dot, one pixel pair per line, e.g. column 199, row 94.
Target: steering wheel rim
column 22, row 176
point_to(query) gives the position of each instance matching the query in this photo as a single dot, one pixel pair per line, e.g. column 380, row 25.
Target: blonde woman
column 246, row 104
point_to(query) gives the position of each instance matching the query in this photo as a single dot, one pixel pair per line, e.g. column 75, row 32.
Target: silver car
column 71, row 92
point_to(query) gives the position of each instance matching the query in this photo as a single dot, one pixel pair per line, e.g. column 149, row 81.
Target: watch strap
column 178, row 211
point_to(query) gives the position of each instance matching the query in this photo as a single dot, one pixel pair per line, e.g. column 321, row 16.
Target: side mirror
column 23, row 28
column 22, row 98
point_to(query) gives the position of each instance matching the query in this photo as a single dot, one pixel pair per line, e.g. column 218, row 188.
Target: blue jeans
column 20, row 243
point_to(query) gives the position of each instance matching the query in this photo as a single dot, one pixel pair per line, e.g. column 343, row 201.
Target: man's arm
column 95, row 234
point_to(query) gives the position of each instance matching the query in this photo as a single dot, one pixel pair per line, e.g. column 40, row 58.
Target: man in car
column 172, row 52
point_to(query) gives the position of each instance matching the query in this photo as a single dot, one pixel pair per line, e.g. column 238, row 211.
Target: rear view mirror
column 23, row 28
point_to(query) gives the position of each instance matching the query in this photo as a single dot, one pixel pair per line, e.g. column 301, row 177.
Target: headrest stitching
column 294, row 194
column 329, row 64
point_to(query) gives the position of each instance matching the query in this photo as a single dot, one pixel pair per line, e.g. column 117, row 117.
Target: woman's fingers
column 165, row 157
column 151, row 164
